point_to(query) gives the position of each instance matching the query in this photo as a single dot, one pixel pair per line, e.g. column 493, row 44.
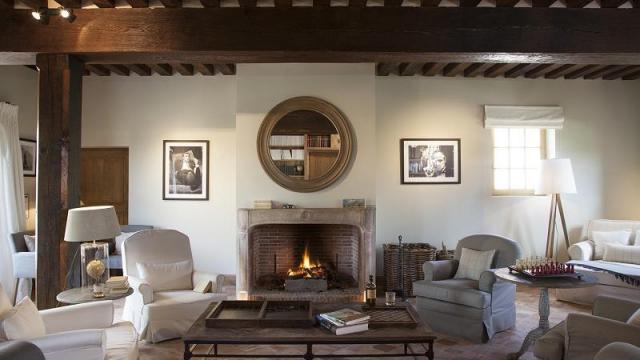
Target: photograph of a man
column 185, row 170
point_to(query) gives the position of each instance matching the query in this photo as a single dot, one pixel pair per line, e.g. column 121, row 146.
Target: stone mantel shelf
column 362, row 218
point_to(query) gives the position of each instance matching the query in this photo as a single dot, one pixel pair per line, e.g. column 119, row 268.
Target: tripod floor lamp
column 555, row 178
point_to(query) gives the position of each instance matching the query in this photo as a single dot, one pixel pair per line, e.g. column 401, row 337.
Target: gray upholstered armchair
column 471, row 309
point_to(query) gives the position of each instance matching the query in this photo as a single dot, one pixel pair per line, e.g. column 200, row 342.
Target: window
column 516, row 157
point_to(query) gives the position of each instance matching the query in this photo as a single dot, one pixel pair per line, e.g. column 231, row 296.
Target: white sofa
column 164, row 315
column 607, row 285
column 85, row 332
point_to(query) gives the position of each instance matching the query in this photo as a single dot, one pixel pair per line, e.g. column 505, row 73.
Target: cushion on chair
column 634, row 319
column 601, row 238
column 551, row 345
column 23, row 322
column 457, row 291
column 629, row 254
column 170, row 276
column 473, row 263
column 122, row 342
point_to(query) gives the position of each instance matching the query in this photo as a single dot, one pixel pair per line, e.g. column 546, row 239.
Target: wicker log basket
column 414, row 255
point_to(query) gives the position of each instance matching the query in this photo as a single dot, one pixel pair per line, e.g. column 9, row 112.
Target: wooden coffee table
column 544, row 285
column 198, row 336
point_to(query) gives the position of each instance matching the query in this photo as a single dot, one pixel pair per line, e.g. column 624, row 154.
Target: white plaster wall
column 600, row 136
column 351, row 87
column 141, row 112
column 19, row 86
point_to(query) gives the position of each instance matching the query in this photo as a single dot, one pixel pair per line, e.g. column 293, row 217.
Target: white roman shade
column 541, row 117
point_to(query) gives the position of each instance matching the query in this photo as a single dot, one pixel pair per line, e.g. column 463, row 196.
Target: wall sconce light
column 42, row 15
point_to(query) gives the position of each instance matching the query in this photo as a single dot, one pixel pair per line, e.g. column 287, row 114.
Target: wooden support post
column 58, row 189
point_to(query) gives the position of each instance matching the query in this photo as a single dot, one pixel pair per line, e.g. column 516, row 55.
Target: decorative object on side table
column 185, row 170
column 430, row 161
column 81, row 296
column 354, row 203
column 544, row 284
column 29, row 156
column 537, row 267
column 90, row 224
column 555, row 177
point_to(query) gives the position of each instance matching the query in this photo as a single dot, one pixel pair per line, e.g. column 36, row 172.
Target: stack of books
column 117, row 285
column 344, row 321
column 262, row 204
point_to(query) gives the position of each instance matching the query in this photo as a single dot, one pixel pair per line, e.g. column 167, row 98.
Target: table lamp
column 555, row 178
column 90, row 224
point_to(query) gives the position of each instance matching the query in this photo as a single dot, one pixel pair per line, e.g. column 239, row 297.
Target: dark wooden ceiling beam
column 410, row 69
column 506, row 3
column 205, row 69
column 6, row 4
column 248, row 3
column 183, row 69
column 34, row 4
column 98, row 69
column 542, row 3
column 634, row 76
column 139, row 3
column 162, row 69
column 476, row 69
column 374, row 34
column 454, row 69
column 321, row 3
column 433, row 69
column 172, row 4
column 576, row 3
column 468, row 3
column 226, row 69
column 105, row 3
column 603, row 71
column 117, row 69
column 357, row 3
column 430, row 3
column 611, row 4
column 210, row 3
column 70, row 4
column 635, row 3
column 283, row 3
column 627, row 70
column 582, row 71
column 392, row 3
column 386, row 69
column 140, row 69
column 540, row 70
column 519, row 70
column 557, row 71
column 498, row 70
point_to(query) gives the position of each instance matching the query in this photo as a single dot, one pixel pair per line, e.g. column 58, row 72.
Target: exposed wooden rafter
column 385, row 69
column 97, row 69
column 183, row 69
column 140, row 69
column 162, row 69
column 70, row 4
column 138, row 3
column 210, row 3
column 454, row 69
column 226, row 69
column 433, row 69
column 540, row 70
column 6, row 4
column 520, row 70
column 117, row 69
column 622, row 73
column 476, row 69
column 205, row 69
column 562, row 70
column 409, row 69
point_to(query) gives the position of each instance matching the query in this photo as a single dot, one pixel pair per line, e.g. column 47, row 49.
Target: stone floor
column 446, row 348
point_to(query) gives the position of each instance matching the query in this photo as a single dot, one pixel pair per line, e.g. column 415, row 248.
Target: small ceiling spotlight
column 42, row 15
column 67, row 14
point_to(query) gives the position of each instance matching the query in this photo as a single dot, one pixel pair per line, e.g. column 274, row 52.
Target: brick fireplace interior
column 274, row 249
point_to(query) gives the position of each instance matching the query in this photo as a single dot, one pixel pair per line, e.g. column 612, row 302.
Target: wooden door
column 105, row 179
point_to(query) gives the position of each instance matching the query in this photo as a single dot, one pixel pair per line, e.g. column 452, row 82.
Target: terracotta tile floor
column 446, row 348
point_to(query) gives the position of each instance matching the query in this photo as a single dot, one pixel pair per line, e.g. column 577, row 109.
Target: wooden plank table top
column 199, row 333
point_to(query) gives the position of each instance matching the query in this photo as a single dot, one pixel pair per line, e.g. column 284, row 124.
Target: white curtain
column 541, row 117
column 12, row 216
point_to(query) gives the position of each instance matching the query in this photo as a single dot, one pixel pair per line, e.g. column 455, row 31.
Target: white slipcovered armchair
column 84, row 332
column 160, row 315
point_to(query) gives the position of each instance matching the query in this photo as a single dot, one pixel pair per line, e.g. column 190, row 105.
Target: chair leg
column 15, row 293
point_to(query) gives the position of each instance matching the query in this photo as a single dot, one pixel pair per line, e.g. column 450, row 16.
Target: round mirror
column 305, row 144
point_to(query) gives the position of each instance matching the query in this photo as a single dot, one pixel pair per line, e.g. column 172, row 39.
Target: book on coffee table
column 345, row 317
column 344, row 329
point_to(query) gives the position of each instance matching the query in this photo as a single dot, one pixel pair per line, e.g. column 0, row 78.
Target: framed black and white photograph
column 185, row 170
column 29, row 157
column 430, row 161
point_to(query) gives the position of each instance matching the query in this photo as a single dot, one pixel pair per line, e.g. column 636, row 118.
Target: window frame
column 547, row 136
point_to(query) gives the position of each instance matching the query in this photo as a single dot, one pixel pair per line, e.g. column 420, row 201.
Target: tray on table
column 264, row 314
column 391, row 316
column 573, row 275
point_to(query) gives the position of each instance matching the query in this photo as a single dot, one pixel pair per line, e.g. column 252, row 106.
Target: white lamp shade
column 91, row 223
column 555, row 177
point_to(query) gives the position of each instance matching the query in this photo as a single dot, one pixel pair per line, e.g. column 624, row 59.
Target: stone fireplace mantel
column 361, row 218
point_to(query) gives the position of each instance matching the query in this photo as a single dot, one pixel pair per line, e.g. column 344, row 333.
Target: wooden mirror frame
column 339, row 121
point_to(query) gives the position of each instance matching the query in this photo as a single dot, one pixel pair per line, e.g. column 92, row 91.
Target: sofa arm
column 439, row 270
column 199, row 276
column 618, row 350
column 614, row 308
column 587, row 334
column 486, row 281
column 141, row 290
column 582, row 250
column 227, row 284
column 93, row 315
column 24, row 265
column 79, row 344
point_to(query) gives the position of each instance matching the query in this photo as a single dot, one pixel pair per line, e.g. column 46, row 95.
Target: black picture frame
column 192, row 181
column 439, row 150
column 29, row 156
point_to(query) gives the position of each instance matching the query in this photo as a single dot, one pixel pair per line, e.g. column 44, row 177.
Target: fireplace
column 323, row 255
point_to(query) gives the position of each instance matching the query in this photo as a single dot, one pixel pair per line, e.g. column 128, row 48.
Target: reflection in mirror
column 304, row 144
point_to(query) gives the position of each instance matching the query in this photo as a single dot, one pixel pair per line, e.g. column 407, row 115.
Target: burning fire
column 307, row 269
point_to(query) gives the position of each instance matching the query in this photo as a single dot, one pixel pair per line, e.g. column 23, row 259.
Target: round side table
column 544, row 285
column 83, row 295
